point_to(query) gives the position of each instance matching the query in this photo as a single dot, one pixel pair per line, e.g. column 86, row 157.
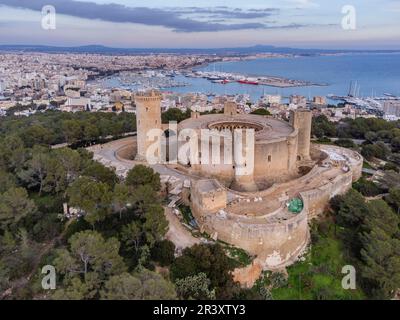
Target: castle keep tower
column 148, row 117
column 230, row 108
column 301, row 120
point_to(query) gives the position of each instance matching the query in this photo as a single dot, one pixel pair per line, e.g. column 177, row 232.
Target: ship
column 221, row 81
column 213, row 78
column 246, row 81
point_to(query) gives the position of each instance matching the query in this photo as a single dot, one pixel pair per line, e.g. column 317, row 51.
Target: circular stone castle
column 275, row 149
column 251, row 181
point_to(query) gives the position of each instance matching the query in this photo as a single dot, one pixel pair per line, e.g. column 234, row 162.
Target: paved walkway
column 107, row 155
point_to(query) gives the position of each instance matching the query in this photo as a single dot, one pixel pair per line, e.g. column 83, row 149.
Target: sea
column 373, row 74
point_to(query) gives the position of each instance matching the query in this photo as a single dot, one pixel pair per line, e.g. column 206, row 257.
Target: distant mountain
column 218, row 51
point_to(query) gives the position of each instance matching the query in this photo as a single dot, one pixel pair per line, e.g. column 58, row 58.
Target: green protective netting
column 295, row 205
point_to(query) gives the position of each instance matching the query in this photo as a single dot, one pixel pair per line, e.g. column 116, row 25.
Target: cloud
column 176, row 19
column 300, row 4
column 228, row 13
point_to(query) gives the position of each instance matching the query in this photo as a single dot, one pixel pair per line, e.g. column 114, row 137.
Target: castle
column 246, row 201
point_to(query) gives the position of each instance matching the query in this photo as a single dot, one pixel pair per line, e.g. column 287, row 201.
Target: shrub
column 163, row 253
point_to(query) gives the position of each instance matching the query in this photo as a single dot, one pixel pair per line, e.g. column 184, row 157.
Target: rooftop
column 205, row 186
column 267, row 128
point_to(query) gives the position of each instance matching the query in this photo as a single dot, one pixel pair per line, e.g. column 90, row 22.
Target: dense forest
column 114, row 246
column 381, row 139
column 54, row 127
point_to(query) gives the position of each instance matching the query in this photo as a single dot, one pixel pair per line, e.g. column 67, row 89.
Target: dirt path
column 378, row 197
column 177, row 233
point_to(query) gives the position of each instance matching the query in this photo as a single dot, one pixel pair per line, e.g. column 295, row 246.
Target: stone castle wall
column 272, row 161
column 302, row 120
column 274, row 244
column 318, row 198
column 275, row 151
column 211, row 201
column 276, row 158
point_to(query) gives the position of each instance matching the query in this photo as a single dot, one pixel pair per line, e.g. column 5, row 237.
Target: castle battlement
column 148, row 96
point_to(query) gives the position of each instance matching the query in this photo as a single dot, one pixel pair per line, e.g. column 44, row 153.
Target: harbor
column 228, row 77
column 149, row 79
column 373, row 104
column 320, row 77
column 160, row 79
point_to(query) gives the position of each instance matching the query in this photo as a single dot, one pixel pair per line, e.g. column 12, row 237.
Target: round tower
column 148, row 117
column 243, row 157
column 230, row 108
column 301, row 119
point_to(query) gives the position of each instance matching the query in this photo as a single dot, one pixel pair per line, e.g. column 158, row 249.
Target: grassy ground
column 186, row 213
column 326, row 141
column 319, row 276
column 240, row 256
column 366, row 165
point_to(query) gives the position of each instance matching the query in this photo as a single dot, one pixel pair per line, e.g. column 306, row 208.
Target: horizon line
column 260, row 46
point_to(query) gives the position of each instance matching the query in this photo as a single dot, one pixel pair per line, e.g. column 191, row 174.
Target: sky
column 203, row 23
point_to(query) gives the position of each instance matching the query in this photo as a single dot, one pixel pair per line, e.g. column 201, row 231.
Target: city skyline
column 211, row 24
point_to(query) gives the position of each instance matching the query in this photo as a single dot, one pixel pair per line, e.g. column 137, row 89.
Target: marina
column 327, row 76
column 149, row 79
column 271, row 81
column 373, row 103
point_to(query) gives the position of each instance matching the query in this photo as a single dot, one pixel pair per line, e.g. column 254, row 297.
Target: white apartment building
column 299, row 101
column 391, row 108
column 77, row 104
column 271, row 99
column 201, row 107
